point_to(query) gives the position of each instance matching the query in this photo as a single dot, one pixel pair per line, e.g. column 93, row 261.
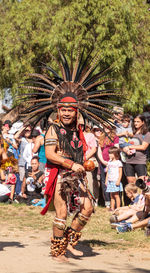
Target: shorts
column 132, row 169
column 111, row 187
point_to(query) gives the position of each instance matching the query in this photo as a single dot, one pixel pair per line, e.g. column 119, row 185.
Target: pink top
column 90, row 141
column 106, row 147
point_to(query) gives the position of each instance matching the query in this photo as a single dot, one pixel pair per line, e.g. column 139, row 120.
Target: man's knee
column 88, row 208
column 61, row 211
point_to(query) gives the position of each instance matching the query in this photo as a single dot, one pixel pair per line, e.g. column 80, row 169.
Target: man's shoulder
column 52, row 131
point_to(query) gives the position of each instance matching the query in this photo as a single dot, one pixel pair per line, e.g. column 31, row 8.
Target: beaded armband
column 50, row 141
column 68, row 163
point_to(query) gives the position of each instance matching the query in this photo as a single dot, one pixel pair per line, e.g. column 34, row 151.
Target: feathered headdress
column 80, row 83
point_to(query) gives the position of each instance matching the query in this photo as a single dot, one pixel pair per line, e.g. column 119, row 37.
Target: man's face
column 34, row 165
column 67, row 115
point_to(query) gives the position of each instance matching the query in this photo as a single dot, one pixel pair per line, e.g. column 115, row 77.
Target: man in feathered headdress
column 64, row 152
column 75, row 93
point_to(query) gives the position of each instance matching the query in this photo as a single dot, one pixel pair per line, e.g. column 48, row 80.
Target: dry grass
column 97, row 233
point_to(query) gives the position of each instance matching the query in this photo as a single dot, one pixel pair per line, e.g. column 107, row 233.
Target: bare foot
column 61, row 259
column 74, row 251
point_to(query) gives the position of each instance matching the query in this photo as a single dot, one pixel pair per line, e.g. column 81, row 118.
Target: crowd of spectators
column 120, row 155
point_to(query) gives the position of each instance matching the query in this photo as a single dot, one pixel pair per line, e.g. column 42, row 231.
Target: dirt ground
column 28, row 252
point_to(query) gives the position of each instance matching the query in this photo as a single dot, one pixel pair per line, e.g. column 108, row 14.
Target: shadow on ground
column 136, row 270
column 85, row 247
column 98, row 243
column 140, row 270
column 10, row 244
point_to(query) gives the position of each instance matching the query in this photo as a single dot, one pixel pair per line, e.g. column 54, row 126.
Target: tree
column 118, row 30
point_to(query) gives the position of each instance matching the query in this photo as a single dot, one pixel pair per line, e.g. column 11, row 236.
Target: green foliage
column 118, row 30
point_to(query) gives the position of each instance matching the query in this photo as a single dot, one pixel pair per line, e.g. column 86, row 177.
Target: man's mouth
column 66, row 118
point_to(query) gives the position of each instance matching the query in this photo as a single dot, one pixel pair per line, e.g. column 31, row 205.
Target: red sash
column 51, row 173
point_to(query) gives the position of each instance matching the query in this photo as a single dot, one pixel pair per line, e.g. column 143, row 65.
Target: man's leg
column 78, row 223
column 59, row 240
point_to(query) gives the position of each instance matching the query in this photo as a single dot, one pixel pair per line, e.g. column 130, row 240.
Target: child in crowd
column 125, row 134
column 113, row 177
column 136, row 205
column 139, row 220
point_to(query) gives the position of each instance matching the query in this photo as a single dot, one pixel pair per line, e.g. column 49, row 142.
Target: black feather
column 42, row 83
column 93, row 92
column 66, row 66
column 36, row 107
column 93, row 79
column 108, row 102
column 49, row 68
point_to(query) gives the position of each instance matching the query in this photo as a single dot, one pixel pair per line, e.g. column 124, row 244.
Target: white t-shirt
column 30, row 185
column 28, row 154
column 113, row 169
column 4, row 190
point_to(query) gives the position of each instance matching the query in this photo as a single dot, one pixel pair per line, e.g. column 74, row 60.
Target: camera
column 142, row 185
column 29, row 169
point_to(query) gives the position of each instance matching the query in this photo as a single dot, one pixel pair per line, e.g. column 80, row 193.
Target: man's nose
column 67, row 113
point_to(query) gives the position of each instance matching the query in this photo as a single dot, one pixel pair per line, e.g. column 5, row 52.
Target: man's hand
column 24, row 195
column 77, row 168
